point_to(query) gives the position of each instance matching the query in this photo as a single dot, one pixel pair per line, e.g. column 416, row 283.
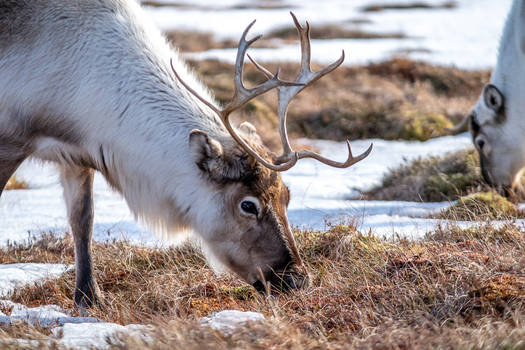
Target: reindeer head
column 497, row 122
column 500, row 144
column 252, row 236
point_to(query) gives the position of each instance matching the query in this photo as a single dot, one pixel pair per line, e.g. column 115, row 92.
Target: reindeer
column 497, row 123
column 93, row 86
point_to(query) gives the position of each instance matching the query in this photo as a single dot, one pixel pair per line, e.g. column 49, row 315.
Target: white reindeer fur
column 506, row 142
column 111, row 67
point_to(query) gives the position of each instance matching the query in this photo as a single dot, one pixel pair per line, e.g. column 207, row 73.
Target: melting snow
column 16, row 275
column 466, row 36
column 319, row 193
column 228, row 320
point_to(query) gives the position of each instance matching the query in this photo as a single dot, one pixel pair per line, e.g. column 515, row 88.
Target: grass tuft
column 433, row 179
column 481, row 206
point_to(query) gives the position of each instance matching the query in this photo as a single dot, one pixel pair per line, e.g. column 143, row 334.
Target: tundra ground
column 453, row 289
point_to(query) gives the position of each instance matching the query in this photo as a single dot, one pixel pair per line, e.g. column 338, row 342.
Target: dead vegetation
column 332, row 31
column 482, row 206
column 432, row 179
column 456, row 288
column 397, row 99
column 435, row 179
column 409, row 6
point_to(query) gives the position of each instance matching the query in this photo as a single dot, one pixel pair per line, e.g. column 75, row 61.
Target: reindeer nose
column 283, row 282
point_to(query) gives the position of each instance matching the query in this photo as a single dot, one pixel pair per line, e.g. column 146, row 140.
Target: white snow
column 16, row 275
column 94, row 335
column 227, row 321
column 319, row 193
column 466, row 36
column 44, row 316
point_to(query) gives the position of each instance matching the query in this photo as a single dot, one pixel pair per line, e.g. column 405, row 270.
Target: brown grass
column 436, row 179
column 432, row 179
column 409, row 6
column 482, row 206
column 397, row 99
column 332, row 31
column 456, row 288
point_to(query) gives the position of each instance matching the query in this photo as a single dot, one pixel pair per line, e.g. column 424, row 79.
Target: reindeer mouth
column 281, row 283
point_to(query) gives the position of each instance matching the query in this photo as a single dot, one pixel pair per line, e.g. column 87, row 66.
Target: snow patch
column 466, row 36
column 319, row 193
column 44, row 316
column 17, row 275
column 227, row 321
column 95, row 335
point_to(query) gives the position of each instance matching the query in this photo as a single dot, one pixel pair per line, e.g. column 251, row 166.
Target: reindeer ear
column 493, row 98
column 205, row 150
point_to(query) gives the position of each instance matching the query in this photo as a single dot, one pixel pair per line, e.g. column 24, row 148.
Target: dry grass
column 409, row 6
column 482, row 206
column 435, row 179
column 332, row 31
column 456, row 288
column 252, row 5
column 397, row 99
column 432, row 179
column 15, row 184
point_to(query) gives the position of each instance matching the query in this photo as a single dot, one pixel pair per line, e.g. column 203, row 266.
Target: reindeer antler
column 287, row 91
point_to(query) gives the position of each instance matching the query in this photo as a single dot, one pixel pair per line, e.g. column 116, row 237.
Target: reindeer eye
column 249, row 207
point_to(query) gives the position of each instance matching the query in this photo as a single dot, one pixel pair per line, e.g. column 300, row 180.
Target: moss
column 484, row 205
column 422, row 127
column 245, row 292
column 433, row 179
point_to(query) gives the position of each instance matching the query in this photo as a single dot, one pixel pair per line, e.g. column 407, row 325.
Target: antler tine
column 287, row 91
column 350, row 161
column 304, row 36
column 263, row 70
column 242, row 94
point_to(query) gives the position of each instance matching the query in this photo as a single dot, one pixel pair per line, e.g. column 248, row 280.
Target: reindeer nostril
column 481, row 143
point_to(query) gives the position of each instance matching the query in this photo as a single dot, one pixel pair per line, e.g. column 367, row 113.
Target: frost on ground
column 228, row 320
column 43, row 316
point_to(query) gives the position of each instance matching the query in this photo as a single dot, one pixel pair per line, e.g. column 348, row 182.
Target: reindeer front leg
column 78, row 193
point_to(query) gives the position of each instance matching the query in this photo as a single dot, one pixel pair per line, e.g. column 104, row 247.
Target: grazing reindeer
column 88, row 85
column 497, row 122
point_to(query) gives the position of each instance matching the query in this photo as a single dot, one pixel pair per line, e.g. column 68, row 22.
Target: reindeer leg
column 78, row 192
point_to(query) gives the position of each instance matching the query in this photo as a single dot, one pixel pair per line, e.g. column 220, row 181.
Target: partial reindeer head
column 501, row 155
column 252, row 236
column 497, row 122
